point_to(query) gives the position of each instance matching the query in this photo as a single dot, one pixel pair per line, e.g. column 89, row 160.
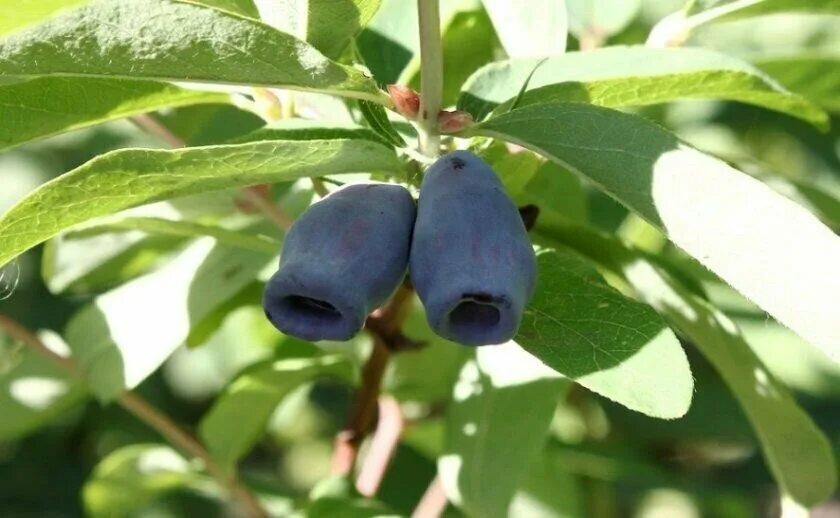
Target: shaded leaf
column 328, row 25
column 124, row 335
column 33, row 389
column 491, row 436
column 239, row 416
column 136, row 475
column 612, row 345
column 631, row 76
column 773, row 251
column 50, row 105
column 797, row 453
column 127, row 178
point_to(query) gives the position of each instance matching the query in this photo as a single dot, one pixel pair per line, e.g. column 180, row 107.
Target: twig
column 431, row 76
column 151, row 125
column 319, row 187
column 150, row 415
column 384, row 326
column 261, row 201
column 382, row 447
column 433, row 502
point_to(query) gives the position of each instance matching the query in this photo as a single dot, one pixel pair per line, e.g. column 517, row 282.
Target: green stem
column 431, row 76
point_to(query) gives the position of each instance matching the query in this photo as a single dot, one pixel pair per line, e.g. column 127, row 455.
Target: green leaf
column 92, row 262
column 304, row 129
column 50, row 105
column 348, row 508
column 239, row 416
column 539, row 30
column 145, row 39
column 245, row 241
column 124, row 335
column 14, row 15
column 600, row 18
column 243, row 7
column 631, row 76
column 548, row 491
column 127, row 178
column 376, row 116
column 33, row 389
column 816, row 78
column 620, row 348
column 736, row 226
column 797, row 452
column 492, row 435
column 390, row 41
column 328, row 25
column 136, row 475
column 424, row 374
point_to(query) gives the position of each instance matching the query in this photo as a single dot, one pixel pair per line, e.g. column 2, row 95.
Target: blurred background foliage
column 601, row 459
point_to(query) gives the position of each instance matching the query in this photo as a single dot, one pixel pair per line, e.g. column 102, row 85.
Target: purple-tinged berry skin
column 341, row 259
column 471, row 263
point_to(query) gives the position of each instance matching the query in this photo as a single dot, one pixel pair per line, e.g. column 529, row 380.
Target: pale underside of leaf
column 770, row 249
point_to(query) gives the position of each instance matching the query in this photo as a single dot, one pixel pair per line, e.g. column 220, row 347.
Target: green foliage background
column 681, row 352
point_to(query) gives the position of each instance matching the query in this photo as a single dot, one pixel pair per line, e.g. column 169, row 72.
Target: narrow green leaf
column 15, row 15
column 328, row 25
column 376, row 116
column 232, row 238
column 797, row 453
column 50, row 105
column 612, row 345
column 88, row 263
column 239, row 416
column 632, row 76
column 136, row 475
column 492, row 435
column 124, row 335
column 173, row 40
column 736, row 226
column 816, row 78
column 131, row 177
column 33, row 389
column 539, row 30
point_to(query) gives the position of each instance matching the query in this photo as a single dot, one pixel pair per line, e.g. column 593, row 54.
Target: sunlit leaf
column 175, row 41
column 131, row 177
column 631, row 76
column 773, row 251
column 796, row 451
column 492, row 436
column 612, row 345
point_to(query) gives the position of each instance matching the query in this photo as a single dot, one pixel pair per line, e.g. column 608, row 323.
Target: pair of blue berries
column 464, row 244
